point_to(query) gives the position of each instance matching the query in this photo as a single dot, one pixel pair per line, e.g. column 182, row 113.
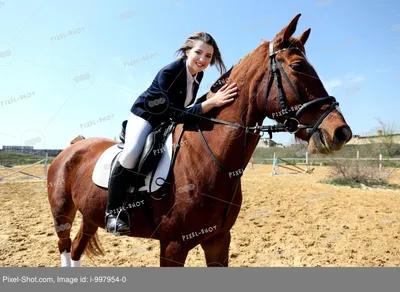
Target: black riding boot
column 117, row 220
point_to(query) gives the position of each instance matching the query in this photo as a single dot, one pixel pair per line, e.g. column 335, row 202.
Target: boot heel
column 116, row 226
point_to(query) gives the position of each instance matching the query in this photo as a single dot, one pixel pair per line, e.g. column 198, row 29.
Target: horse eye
column 295, row 66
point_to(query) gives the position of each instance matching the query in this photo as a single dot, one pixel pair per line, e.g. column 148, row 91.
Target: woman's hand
column 224, row 95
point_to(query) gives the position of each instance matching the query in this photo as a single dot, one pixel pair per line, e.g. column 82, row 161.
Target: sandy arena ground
column 287, row 220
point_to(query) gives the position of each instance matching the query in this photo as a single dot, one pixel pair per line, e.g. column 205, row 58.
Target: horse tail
column 94, row 247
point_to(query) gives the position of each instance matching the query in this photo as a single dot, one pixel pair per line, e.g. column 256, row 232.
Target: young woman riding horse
column 273, row 77
column 173, row 89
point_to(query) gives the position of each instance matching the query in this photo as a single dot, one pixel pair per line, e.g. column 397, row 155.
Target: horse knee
column 173, row 254
column 172, row 249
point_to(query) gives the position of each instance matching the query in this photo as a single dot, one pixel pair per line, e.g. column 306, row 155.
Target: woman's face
column 199, row 57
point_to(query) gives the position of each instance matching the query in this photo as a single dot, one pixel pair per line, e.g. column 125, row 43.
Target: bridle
column 291, row 123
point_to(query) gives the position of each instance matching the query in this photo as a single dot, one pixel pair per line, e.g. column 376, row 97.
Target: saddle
column 156, row 161
column 152, row 150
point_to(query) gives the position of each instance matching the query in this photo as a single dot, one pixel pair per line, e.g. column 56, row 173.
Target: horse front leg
column 216, row 250
column 172, row 254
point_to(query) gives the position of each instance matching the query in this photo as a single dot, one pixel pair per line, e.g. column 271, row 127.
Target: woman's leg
column 136, row 133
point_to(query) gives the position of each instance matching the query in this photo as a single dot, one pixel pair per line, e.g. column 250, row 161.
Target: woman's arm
column 166, row 81
column 223, row 96
column 207, row 105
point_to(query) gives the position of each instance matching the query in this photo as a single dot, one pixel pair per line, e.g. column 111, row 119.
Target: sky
column 76, row 67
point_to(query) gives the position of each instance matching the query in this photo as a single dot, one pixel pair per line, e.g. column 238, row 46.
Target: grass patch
column 354, row 184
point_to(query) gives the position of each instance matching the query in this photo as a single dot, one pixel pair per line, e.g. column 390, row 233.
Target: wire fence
column 11, row 165
column 384, row 161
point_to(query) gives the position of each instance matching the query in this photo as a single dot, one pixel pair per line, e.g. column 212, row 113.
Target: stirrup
column 115, row 232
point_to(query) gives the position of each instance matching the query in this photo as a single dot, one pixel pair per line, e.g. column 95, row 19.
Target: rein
column 291, row 123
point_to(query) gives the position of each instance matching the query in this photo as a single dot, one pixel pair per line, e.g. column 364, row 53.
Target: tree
column 388, row 138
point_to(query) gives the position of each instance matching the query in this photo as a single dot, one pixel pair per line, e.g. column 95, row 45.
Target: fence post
column 306, row 160
column 45, row 165
column 380, row 161
column 273, row 165
column 358, row 155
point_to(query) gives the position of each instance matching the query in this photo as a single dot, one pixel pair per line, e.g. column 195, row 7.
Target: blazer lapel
column 184, row 78
column 196, row 86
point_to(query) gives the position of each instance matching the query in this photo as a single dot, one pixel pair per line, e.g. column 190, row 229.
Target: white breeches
column 137, row 130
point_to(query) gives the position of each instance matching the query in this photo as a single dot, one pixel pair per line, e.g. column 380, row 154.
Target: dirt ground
column 286, row 220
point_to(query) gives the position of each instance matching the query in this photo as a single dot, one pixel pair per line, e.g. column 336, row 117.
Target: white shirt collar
column 189, row 77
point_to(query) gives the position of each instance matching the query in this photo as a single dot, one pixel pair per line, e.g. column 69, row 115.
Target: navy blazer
column 165, row 97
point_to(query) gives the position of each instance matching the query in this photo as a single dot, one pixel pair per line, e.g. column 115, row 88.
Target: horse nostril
column 343, row 134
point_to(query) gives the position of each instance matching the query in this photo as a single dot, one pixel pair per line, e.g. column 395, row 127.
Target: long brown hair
column 208, row 39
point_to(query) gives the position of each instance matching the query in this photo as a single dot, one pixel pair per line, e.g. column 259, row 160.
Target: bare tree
column 388, row 138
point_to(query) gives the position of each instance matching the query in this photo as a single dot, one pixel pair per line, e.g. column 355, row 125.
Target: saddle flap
column 154, row 179
column 154, row 148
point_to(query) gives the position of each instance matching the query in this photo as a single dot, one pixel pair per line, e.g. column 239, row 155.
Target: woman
column 173, row 89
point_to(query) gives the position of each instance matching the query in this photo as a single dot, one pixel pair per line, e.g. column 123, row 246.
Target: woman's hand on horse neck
column 223, row 96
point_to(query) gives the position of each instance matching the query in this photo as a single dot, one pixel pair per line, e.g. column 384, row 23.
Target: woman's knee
column 127, row 161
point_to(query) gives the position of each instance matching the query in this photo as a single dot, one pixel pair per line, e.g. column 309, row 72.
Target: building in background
column 379, row 138
column 267, row 143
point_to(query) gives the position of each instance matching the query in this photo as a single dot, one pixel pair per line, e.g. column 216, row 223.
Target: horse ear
column 289, row 30
column 304, row 37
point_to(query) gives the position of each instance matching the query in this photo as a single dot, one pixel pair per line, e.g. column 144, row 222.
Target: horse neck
column 227, row 143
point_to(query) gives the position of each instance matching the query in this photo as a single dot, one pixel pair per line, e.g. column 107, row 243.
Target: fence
column 309, row 160
column 8, row 167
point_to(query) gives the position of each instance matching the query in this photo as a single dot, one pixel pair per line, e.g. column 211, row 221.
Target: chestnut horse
column 212, row 160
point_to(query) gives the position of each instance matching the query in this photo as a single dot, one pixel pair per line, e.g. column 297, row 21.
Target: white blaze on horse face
column 199, row 57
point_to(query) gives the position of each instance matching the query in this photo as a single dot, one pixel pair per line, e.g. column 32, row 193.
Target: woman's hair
column 208, row 39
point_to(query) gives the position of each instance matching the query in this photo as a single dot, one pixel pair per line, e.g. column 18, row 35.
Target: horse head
column 277, row 81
